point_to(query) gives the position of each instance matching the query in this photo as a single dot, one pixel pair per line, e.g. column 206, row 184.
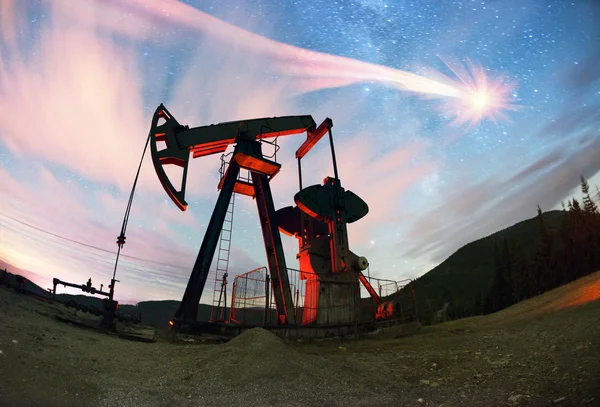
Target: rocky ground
column 545, row 351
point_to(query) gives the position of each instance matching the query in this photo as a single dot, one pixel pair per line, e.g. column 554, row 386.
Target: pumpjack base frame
column 229, row 331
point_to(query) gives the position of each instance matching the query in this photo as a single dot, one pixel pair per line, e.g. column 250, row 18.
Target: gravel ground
column 531, row 354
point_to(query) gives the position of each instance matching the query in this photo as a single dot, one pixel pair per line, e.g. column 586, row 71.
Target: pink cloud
column 85, row 104
column 81, row 96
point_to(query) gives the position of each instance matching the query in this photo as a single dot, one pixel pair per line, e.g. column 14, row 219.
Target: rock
column 2, row 353
column 14, row 341
column 515, row 398
column 560, row 399
column 420, row 400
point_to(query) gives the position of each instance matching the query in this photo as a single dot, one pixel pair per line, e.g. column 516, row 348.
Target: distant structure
column 110, row 305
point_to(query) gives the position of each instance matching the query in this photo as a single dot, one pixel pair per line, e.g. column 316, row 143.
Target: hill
column 466, row 276
column 28, row 285
column 542, row 351
column 20, row 271
column 461, row 279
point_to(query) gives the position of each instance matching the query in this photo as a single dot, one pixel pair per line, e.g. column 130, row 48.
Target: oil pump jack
column 318, row 220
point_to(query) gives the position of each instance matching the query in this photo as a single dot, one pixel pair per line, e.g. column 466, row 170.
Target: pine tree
column 565, row 256
column 544, row 267
column 579, row 253
column 589, row 207
column 585, row 188
column 478, row 304
column 521, row 277
column 590, row 231
column 575, row 206
column 500, row 295
column 506, row 297
column 490, row 302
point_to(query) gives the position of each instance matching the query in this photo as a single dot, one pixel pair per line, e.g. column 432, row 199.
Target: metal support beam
column 313, row 137
column 274, row 249
column 188, row 309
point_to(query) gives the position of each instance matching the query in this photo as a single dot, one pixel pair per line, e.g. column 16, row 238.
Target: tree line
column 561, row 255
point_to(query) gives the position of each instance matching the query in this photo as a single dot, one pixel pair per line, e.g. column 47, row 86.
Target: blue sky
column 78, row 86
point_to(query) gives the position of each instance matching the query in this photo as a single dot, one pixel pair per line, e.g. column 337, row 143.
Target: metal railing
column 252, row 301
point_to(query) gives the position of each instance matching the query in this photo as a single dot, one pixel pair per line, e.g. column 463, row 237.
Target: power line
column 89, row 245
column 96, row 257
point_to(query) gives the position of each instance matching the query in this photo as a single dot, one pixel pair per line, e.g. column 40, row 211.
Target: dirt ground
column 536, row 353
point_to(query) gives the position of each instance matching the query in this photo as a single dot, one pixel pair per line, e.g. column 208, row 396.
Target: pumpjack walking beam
column 205, row 140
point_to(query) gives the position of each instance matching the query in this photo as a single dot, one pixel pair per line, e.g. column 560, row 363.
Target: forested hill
column 465, row 277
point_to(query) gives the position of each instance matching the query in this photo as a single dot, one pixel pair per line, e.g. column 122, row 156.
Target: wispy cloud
column 77, row 88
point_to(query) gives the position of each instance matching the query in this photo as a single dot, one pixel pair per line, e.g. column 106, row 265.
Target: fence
column 400, row 293
column 334, row 299
column 250, row 297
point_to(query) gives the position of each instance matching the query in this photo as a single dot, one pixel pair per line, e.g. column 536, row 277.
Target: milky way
column 78, row 84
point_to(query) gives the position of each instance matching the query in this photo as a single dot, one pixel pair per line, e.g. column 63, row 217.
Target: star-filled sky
column 452, row 120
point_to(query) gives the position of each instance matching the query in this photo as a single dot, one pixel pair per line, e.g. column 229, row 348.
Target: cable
column 88, row 245
column 121, row 237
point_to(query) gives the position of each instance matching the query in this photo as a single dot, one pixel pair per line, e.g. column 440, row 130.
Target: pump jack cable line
column 121, row 237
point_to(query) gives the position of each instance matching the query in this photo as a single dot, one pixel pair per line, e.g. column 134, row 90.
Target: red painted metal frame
column 313, row 138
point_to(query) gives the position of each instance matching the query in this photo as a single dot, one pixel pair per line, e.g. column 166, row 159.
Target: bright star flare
column 480, row 96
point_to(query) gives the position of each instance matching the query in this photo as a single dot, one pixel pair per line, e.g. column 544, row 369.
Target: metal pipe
column 300, row 174
column 335, row 171
column 267, row 300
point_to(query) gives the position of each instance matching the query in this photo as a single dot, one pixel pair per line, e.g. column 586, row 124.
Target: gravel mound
column 259, row 354
column 257, row 340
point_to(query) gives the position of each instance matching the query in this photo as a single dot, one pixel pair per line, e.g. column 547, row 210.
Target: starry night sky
column 79, row 82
